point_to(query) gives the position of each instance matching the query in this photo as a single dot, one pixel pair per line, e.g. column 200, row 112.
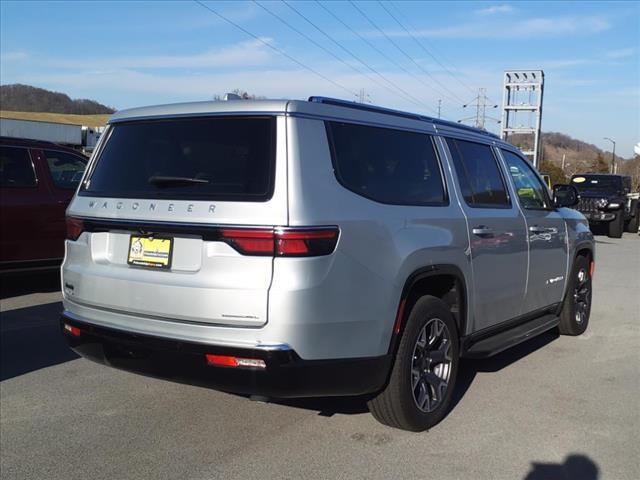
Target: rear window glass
column 188, row 159
column 389, row 166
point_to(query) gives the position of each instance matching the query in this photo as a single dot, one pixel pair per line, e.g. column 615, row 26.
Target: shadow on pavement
column 16, row 284
column 466, row 373
column 469, row 368
column 30, row 339
column 575, row 467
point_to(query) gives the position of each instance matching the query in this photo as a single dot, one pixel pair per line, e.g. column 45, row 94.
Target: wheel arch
column 445, row 281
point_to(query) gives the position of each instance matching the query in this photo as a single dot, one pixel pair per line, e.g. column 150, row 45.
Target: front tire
column 616, row 226
column 422, row 380
column 576, row 310
column 634, row 222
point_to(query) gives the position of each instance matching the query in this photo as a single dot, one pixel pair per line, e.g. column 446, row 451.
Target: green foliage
column 555, row 172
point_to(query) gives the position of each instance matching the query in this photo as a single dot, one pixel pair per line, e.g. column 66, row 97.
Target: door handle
column 537, row 229
column 482, row 230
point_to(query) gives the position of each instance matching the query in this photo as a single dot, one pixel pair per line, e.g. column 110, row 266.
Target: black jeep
column 607, row 198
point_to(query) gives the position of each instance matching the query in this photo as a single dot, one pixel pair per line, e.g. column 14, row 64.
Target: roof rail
column 398, row 113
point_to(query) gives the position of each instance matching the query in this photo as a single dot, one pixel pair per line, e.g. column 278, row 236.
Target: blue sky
column 128, row 54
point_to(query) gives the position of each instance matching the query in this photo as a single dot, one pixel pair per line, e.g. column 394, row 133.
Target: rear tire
column 616, row 226
column 424, row 372
column 576, row 310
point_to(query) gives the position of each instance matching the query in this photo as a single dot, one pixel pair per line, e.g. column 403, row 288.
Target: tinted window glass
column 389, row 166
column 196, row 158
column 16, row 169
column 597, row 183
column 531, row 191
column 66, row 169
column 480, row 179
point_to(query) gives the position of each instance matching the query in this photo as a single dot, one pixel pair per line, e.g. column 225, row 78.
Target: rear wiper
column 173, row 181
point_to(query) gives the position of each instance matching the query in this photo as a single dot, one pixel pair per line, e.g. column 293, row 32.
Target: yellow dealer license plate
column 151, row 252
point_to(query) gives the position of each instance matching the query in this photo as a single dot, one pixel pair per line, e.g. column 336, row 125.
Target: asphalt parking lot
column 553, row 408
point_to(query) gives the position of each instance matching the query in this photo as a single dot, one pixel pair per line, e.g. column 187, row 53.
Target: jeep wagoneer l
column 316, row 248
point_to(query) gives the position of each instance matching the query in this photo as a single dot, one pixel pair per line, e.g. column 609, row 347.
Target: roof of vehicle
column 315, row 106
column 29, row 143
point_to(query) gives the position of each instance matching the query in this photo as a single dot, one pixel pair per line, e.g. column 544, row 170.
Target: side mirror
column 565, row 196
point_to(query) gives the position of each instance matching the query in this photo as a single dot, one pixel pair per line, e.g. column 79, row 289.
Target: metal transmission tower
column 522, row 111
column 481, row 102
column 363, row 96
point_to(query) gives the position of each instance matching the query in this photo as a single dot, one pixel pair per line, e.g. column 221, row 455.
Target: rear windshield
column 230, row 158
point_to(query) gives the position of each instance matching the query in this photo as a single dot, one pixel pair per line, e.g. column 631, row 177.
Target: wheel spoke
column 415, row 378
column 423, row 396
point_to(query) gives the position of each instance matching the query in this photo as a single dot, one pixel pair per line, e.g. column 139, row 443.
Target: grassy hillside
column 25, row 98
column 87, row 120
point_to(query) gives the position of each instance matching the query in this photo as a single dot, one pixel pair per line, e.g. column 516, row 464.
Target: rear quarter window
column 387, row 165
column 221, row 158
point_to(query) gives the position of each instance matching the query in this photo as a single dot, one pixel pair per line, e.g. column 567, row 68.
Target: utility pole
column 522, row 110
column 480, row 102
column 439, row 107
column 564, row 155
column 613, row 156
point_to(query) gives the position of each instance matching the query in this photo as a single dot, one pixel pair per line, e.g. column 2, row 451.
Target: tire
column 432, row 383
column 616, row 226
column 576, row 310
column 634, row 222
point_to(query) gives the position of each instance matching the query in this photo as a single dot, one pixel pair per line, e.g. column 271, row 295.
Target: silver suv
column 318, row 248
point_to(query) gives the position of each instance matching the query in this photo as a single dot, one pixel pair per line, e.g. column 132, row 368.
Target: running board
column 487, row 344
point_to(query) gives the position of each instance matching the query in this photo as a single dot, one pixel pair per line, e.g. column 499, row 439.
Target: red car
column 37, row 181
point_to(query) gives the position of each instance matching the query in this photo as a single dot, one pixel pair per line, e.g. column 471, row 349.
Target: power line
column 397, row 9
column 276, row 49
column 423, row 47
column 426, row 72
column 308, row 38
column 371, row 45
column 395, row 89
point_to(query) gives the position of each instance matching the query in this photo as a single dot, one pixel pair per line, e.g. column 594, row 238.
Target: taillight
column 75, row 226
column 249, row 242
column 234, row 362
column 306, row 243
column 283, row 242
column 74, row 331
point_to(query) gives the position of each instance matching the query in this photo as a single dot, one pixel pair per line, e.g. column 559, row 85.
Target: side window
column 66, row 169
column 16, row 169
column 386, row 165
column 531, row 192
column 480, row 178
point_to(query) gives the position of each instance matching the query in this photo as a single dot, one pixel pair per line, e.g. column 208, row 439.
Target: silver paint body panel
column 337, row 306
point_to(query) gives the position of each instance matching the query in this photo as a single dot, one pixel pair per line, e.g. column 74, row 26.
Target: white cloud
column 13, row 56
column 533, row 27
column 246, row 54
column 621, row 53
column 495, row 9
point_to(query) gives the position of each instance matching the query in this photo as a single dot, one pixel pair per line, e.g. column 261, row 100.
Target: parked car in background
column 607, row 198
column 317, row 248
column 37, row 181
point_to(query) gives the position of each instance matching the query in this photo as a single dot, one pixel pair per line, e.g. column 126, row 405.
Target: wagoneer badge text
column 147, row 206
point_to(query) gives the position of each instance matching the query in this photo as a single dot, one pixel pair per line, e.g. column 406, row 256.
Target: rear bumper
column 286, row 374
